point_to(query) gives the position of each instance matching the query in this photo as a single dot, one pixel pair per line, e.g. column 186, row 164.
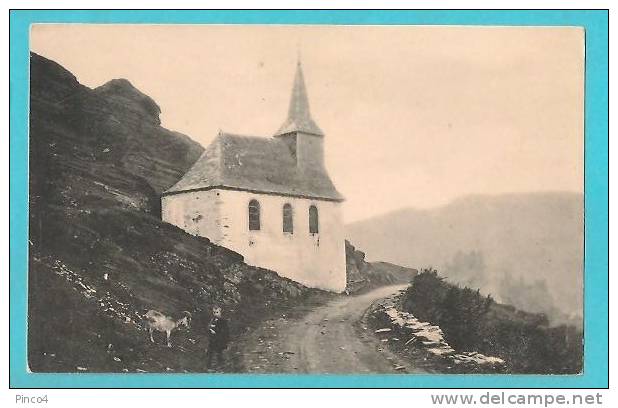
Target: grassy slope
column 98, row 161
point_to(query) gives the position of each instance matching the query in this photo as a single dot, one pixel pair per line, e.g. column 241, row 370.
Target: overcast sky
column 413, row 116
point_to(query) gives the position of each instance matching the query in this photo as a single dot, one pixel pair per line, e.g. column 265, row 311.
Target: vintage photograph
column 306, row 199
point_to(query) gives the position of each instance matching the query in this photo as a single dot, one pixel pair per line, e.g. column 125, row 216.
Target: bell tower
column 299, row 131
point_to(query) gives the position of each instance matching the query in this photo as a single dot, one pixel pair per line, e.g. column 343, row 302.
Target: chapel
column 268, row 198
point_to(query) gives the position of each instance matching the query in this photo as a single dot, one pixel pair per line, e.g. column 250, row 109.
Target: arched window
column 288, row 219
column 313, row 220
column 254, row 215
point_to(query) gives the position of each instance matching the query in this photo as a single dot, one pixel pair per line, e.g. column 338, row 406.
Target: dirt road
column 331, row 338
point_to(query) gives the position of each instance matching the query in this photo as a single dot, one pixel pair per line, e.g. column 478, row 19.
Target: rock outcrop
column 363, row 275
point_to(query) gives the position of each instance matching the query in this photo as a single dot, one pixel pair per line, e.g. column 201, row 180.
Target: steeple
column 299, row 116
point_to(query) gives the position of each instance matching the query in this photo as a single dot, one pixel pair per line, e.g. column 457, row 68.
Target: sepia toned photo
column 304, row 199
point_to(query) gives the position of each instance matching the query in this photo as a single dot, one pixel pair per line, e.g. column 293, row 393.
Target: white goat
column 156, row 320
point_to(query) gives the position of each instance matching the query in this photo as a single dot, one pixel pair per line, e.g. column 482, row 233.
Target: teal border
column 595, row 23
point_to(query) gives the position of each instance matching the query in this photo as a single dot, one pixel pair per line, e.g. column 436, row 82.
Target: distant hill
column 99, row 254
column 524, row 249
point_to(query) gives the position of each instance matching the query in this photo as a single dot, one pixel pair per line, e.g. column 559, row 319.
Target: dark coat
column 218, row 334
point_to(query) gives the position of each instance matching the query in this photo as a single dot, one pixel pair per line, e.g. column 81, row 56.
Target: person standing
column 218, row 338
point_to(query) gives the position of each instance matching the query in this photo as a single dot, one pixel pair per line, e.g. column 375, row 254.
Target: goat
column 156, row 320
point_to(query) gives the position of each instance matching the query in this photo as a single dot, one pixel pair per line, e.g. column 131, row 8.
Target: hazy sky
column 413, row 116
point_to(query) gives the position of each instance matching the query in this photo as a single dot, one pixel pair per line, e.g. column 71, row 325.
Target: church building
column 268, row 198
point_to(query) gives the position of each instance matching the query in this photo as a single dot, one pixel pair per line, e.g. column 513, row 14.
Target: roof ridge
column 267, row 139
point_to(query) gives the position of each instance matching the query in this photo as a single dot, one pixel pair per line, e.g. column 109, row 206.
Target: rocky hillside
column 363, row 275
column 524, row 249
column 99, row 254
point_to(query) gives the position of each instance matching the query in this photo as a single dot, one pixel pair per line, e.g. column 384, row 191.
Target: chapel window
column 288, row 219
column 313, row 220
column 254, row 215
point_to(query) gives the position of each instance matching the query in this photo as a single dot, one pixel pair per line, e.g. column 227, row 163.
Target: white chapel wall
column 315, row 260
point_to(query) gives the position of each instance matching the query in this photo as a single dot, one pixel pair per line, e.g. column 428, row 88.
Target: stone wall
column 403, row 331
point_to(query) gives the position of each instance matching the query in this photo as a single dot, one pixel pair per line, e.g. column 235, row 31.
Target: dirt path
column 331, row 338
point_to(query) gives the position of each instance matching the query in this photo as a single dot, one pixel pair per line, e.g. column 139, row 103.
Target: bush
column 472, row 322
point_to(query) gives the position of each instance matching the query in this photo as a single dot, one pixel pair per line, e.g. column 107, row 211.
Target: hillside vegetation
column 99, row 254
column 476, row 323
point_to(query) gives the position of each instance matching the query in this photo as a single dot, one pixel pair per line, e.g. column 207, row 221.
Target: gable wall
column 196, row 212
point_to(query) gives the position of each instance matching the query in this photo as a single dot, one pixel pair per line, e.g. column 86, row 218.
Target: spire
column 299, row 116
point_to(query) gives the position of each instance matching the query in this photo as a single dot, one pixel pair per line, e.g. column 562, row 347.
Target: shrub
column 472, row 322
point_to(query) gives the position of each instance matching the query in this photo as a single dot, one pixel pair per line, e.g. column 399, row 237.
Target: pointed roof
column 299, row 116
column 254, row 164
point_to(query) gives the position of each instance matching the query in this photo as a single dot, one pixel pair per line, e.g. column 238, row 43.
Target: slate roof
column 258, row 164
column 264, row 165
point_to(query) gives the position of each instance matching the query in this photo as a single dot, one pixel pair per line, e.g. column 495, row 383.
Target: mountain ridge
column 496, row 242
